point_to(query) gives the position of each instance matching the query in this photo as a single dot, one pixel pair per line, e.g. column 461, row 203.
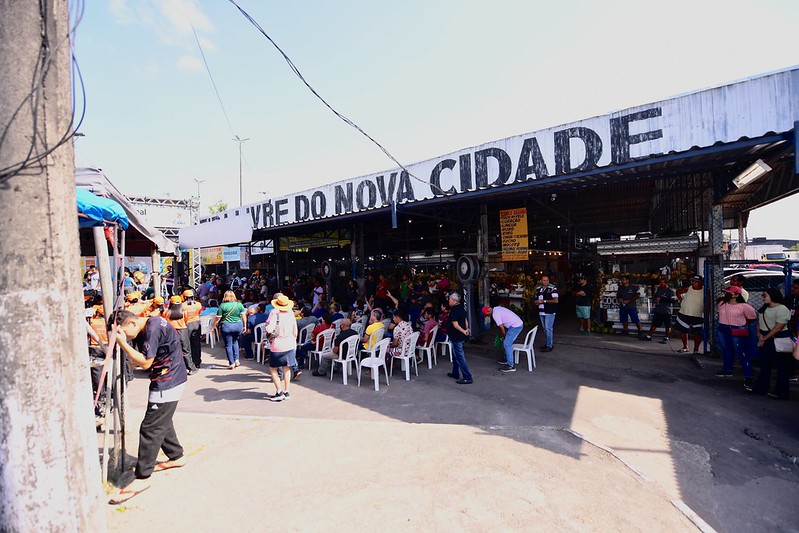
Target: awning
column 222, row 232
column 665, row 245
column 96, row 211
column 93, row 180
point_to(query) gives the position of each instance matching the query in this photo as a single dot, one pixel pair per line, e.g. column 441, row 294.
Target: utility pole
column 199, row 181
column 49, row 467
column 241, row 187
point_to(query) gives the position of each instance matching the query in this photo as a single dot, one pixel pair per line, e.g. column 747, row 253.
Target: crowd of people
column 164, row 335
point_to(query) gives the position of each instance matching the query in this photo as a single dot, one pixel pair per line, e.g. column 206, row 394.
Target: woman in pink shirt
column 734, row 316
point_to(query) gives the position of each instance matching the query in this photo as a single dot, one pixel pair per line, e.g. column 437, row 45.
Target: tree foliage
column 217, row 207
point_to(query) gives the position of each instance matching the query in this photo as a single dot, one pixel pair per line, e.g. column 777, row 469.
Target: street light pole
column 241, row 187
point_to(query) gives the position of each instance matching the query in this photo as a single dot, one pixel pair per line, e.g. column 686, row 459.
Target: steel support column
column 482, row 253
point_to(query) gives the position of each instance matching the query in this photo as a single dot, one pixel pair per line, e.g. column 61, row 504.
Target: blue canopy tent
column 94, row 211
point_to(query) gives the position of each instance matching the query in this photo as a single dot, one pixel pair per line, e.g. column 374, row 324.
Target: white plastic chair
column 211, row 333
column 259, row 339
column 374, row 338
column 337, row 325
column 430, row 349
column 407, row 355
column 364, row 321
column 357, row 328
column 527, row 348
column 304, row 334
column 446, row 343
column 375, row 362
column 324, row 346
column 347, row 354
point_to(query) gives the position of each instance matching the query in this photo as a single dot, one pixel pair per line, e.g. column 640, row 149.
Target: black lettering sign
column 481, row 166
column 531, row 162
column 269, row 214
column 405, row 189
column 593, row 149
column 318, row 204
column 386, row 195
column 343, row 199
column 372, row 199
column 255, row 213
column 280, row 212
column 302, row 208
column 435, row 177
column 465, row 164
column 620, row 138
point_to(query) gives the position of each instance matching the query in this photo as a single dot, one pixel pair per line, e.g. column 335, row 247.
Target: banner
column 244, row 261
column 231, row 253
column 513, row 225
column 212, row 256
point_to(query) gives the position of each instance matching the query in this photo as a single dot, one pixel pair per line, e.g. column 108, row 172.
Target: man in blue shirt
column 255, row 316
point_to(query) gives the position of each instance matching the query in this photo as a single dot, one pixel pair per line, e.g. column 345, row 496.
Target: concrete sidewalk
column 607, row 432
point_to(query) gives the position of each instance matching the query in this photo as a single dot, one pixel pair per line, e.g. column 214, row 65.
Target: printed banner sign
column 513, row 225
column 231, row 253
column 212, row 256
column 244, row 261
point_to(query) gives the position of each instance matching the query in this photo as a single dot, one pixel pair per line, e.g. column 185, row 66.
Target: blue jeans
column 246, row 341
column 735, row 347
column 230, row 334
column 510, row 336
column 548, row 323
column 459, row 366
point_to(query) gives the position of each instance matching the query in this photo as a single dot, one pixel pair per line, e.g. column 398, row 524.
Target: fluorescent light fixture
column 752, row 172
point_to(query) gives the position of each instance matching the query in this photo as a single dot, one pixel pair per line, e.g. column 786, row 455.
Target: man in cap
column 582, row 301
column 628, row 295
column 510, row 325
column 661, row 316
column 690, row 318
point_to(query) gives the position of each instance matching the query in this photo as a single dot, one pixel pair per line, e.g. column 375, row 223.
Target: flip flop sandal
column 160, row 467
column 124, row 495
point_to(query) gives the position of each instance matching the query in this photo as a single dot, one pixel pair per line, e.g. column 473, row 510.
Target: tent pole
column 156, row 273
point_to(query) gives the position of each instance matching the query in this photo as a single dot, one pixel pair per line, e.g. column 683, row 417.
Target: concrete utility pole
column 241, row 182
column 49, row 468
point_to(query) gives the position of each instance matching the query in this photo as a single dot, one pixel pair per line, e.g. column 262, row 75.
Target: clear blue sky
column 425, row 77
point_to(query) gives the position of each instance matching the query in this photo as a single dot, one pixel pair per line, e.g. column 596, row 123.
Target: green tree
column 217, row 207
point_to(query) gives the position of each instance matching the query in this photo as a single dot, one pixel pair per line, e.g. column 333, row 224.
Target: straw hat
column 282, row 302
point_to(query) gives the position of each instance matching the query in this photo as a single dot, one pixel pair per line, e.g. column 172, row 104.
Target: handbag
column 781, row 344
column 272, row 335
column 739, row 332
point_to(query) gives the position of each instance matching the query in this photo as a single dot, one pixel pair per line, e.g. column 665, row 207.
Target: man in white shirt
column 510, row 325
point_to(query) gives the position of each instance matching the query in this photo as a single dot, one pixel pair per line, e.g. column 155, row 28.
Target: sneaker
column 464, row 382
column 793, row 379
column 683, row 350
column 665, row 340
column 286, row 395
column 646, row 338
column 453, row 376
column 191, row 372
column 276, row 397
column 723, row 374
column 546, row 349
column 508, row 369
column 296, row 375
column 748, row 384
column 502, row 361
column 318, row 374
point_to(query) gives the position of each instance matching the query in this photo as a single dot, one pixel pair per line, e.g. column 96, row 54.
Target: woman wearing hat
column 281, row 326
column 734, row 317
column 191, row 312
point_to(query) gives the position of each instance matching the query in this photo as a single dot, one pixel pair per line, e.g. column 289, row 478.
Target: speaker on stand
column 469, row 272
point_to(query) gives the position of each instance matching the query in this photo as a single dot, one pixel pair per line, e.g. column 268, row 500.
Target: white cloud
column 190, row 63
column 170, row 20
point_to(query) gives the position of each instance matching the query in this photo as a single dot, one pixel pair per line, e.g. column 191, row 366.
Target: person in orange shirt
column 191, row 313
column 136, row 305
column 156, row 306
column 174, row 315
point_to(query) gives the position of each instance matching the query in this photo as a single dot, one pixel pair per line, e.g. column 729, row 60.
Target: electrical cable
column 211, row 76
column 41, row 69
column 326, row 104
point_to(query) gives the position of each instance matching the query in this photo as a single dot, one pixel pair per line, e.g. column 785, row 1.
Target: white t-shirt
column 693, row 302
column 506, row 317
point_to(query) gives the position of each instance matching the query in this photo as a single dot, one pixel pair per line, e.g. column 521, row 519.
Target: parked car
column 756, row 281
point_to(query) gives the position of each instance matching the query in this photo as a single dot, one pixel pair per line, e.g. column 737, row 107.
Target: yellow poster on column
column 513, row 226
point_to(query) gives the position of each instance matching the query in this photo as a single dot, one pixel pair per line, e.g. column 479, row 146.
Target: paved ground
column 608, row 432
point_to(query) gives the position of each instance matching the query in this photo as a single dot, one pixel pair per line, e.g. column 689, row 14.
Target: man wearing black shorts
column 628, row 295
column 163, row 356
column 661, row 315
column 690, row 318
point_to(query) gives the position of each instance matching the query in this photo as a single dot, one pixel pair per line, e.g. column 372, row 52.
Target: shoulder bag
column 782, row 344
